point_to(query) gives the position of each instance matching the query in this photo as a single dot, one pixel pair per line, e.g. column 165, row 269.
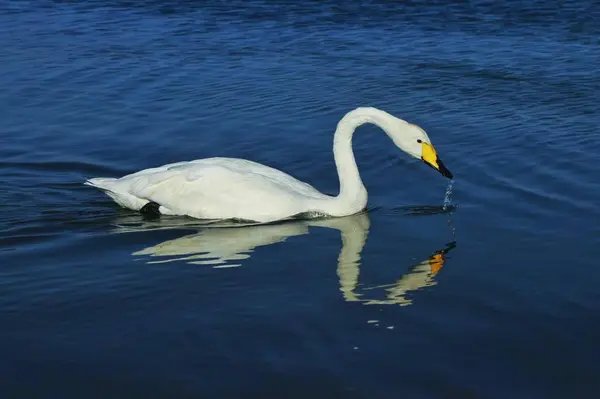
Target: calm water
column 497, row 297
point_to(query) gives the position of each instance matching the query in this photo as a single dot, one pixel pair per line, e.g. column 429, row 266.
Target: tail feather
column 121, row 197
column 102, row 183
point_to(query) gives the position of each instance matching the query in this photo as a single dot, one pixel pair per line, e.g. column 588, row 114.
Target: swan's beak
column 429, row 156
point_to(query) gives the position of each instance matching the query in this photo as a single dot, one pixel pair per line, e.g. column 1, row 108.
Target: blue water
column 496, row 296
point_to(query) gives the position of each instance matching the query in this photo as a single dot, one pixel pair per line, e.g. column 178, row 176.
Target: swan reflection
column 220, row 246
column 224, row 245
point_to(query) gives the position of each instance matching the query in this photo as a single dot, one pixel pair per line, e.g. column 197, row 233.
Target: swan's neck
column 353, row 194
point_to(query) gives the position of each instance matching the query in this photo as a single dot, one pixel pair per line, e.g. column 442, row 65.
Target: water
column 494, row 295
column 448, row 195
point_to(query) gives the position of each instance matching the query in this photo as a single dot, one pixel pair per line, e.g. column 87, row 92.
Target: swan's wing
column 219, row 187
column 257, row 170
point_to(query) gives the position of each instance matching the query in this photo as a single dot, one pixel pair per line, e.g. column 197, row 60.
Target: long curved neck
column 352, row 189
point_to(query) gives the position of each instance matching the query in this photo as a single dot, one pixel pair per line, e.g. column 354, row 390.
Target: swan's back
column 230, row 170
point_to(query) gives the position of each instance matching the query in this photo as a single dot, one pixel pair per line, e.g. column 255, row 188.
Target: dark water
column 497, row 297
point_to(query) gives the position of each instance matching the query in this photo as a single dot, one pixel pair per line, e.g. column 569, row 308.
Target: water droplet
column 448, row 196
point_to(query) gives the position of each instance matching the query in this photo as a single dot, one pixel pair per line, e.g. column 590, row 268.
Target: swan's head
column 414, row 141
column 408, row 137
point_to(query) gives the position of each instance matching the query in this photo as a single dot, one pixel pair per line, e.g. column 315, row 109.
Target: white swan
column 229, row 188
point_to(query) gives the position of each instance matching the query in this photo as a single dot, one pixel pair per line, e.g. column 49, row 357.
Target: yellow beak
column 430, row 157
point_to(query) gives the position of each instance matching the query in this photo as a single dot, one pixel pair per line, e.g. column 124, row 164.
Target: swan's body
column 230, row 188
column 218, row 188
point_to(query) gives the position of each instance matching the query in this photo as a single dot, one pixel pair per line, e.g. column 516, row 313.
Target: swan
column 231, row 188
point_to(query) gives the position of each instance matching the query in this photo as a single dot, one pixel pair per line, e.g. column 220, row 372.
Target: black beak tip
column 441, row 168
column 444, row 170
column 448, row 174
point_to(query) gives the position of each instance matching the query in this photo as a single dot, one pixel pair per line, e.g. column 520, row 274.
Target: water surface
column 496, row 296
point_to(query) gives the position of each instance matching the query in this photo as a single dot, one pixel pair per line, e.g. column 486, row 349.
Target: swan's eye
column 419, row 141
